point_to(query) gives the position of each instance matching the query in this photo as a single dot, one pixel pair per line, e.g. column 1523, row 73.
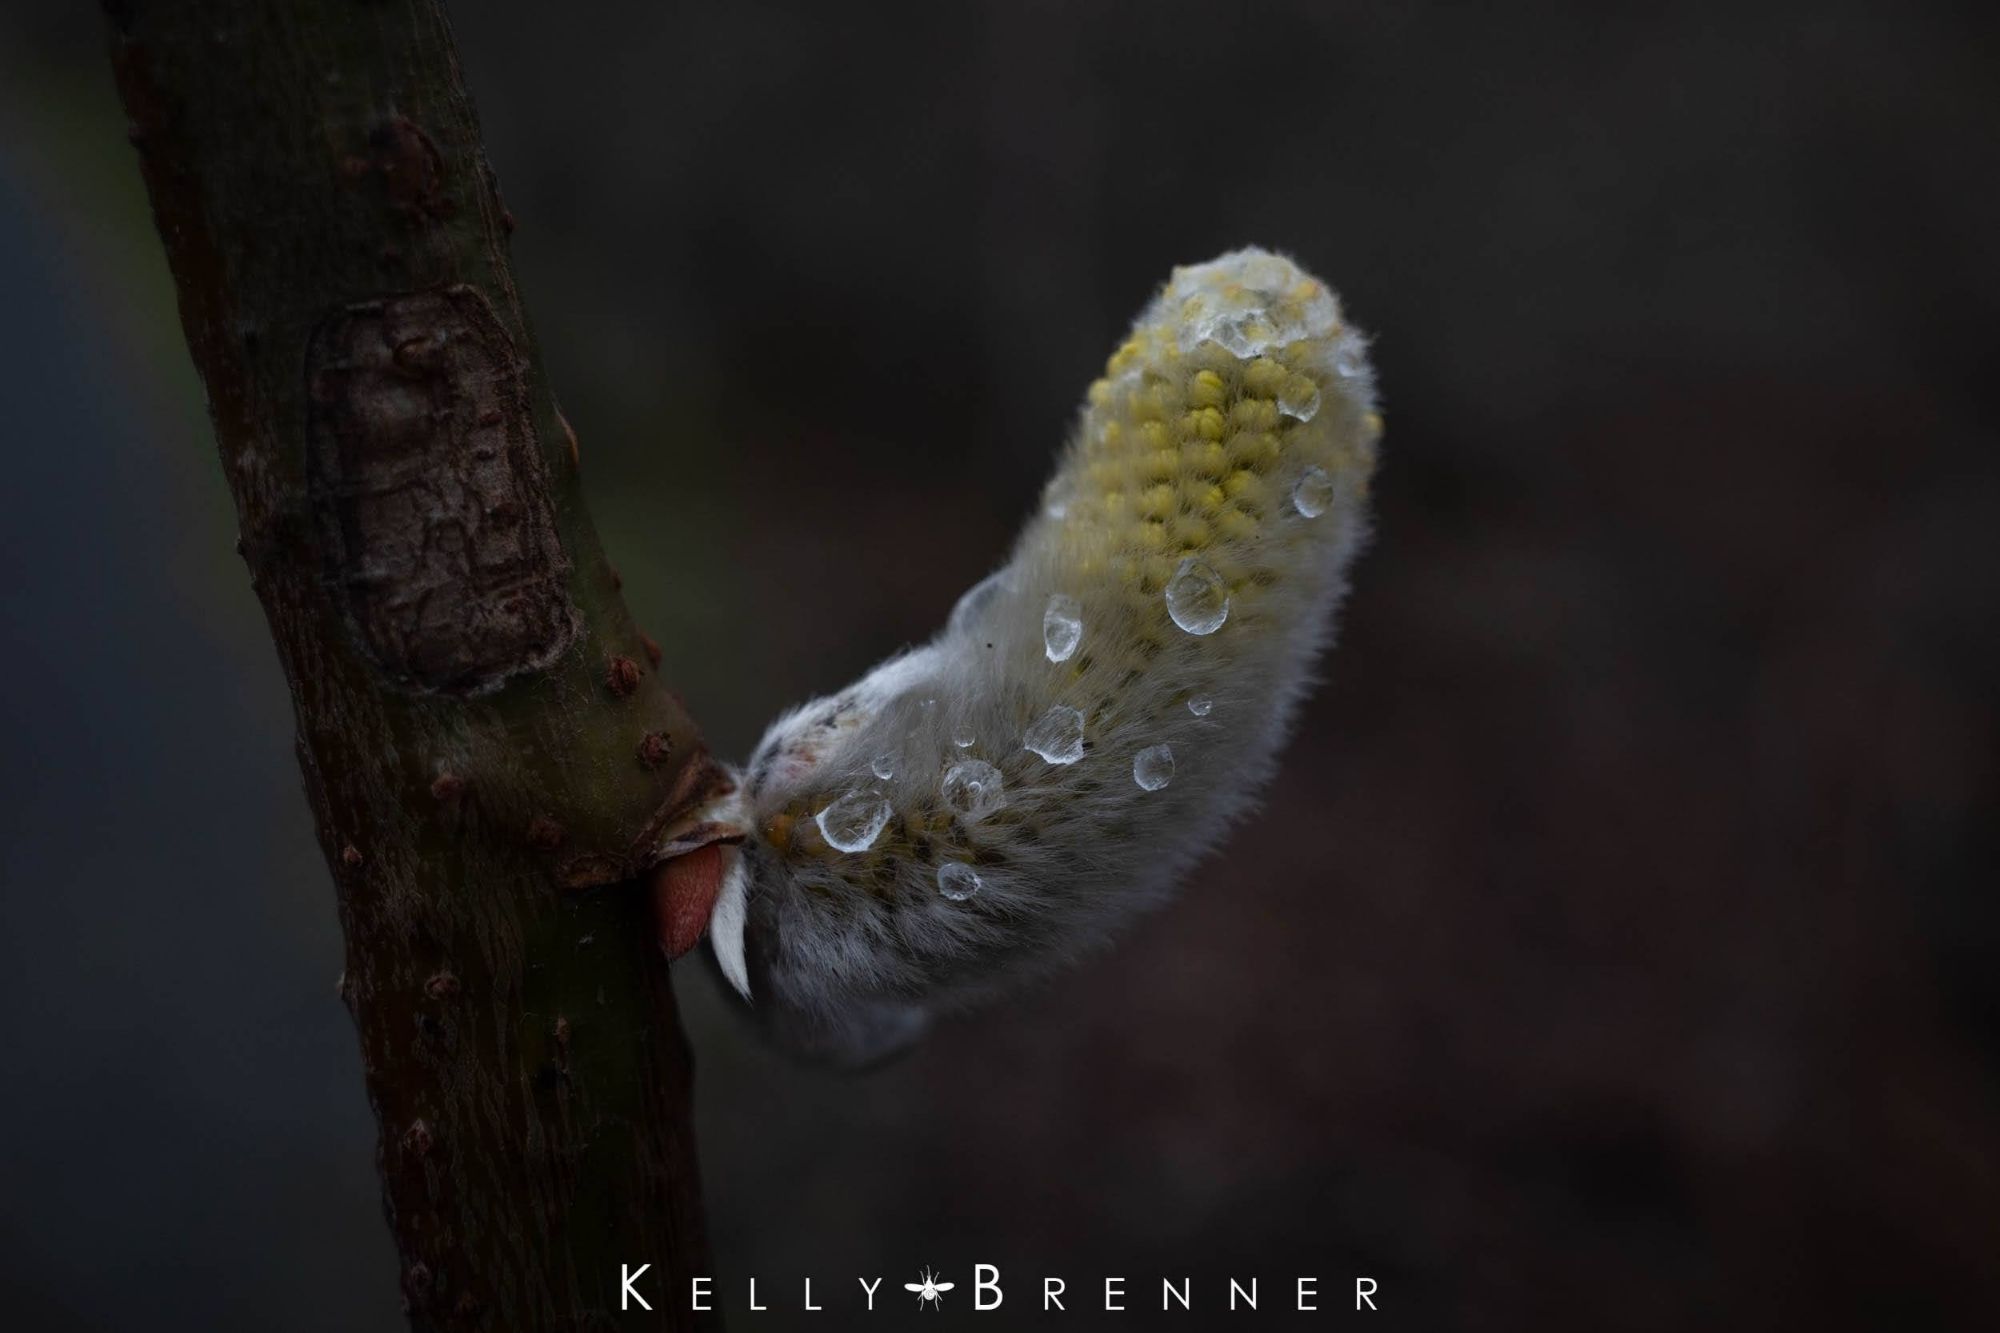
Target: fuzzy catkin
column 1001, row 799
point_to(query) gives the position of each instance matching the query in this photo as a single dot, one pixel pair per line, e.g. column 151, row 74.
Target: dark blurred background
column 1616, row 948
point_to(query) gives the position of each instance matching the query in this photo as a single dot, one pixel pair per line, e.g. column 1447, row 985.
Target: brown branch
column 481, row 730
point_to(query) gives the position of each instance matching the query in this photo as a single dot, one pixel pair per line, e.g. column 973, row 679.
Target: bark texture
column 489, row 753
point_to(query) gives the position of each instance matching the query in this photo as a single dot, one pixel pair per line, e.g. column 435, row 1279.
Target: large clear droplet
column 973, row 788
column 957, row 881
column 1299, row 398
column 1313, row 493
column 1196, row 598
column 852, row 823
column 1062, row 627
column 1242, row 331
column 1201, row 705
column 883, row 765
column 1243, row 335
column 962, row 737
column 974, row 604
column 1153, row 767
column 1058, row 736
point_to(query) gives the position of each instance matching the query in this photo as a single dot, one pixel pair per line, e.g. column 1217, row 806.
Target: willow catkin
column 1098, row 710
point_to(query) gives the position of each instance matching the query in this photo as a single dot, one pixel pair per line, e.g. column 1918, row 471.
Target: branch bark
column 490, row 757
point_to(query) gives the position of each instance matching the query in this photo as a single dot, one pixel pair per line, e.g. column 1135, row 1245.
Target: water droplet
column 1245, row 335
column 1313, row 493
column 957, row 881
column 973, row 788
column 1062, row 627
column 975, row 603
column 1348, row 358
column 852, row 823
column 1241, row 333
column 1250, row 302
column 1200, row 705
column 1196, row 598
column 1058, row 736
column 1153, row 767
column 962, row 737
column 1299, row 398
column 883, row 765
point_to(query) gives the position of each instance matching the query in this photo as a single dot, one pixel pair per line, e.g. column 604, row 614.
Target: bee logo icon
column 930, row 1291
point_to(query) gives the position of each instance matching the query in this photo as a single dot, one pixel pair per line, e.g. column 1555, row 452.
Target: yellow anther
column 1245, row 485
column 1258, row 451
column 1206, row 422
column 1254, row 414
column 1157, row 502
column 1234, row 525
column 1187, row 532
column 1204, row 458
column 1263, row 377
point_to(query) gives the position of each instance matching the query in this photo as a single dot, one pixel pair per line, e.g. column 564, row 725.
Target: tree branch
column 482, row 734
